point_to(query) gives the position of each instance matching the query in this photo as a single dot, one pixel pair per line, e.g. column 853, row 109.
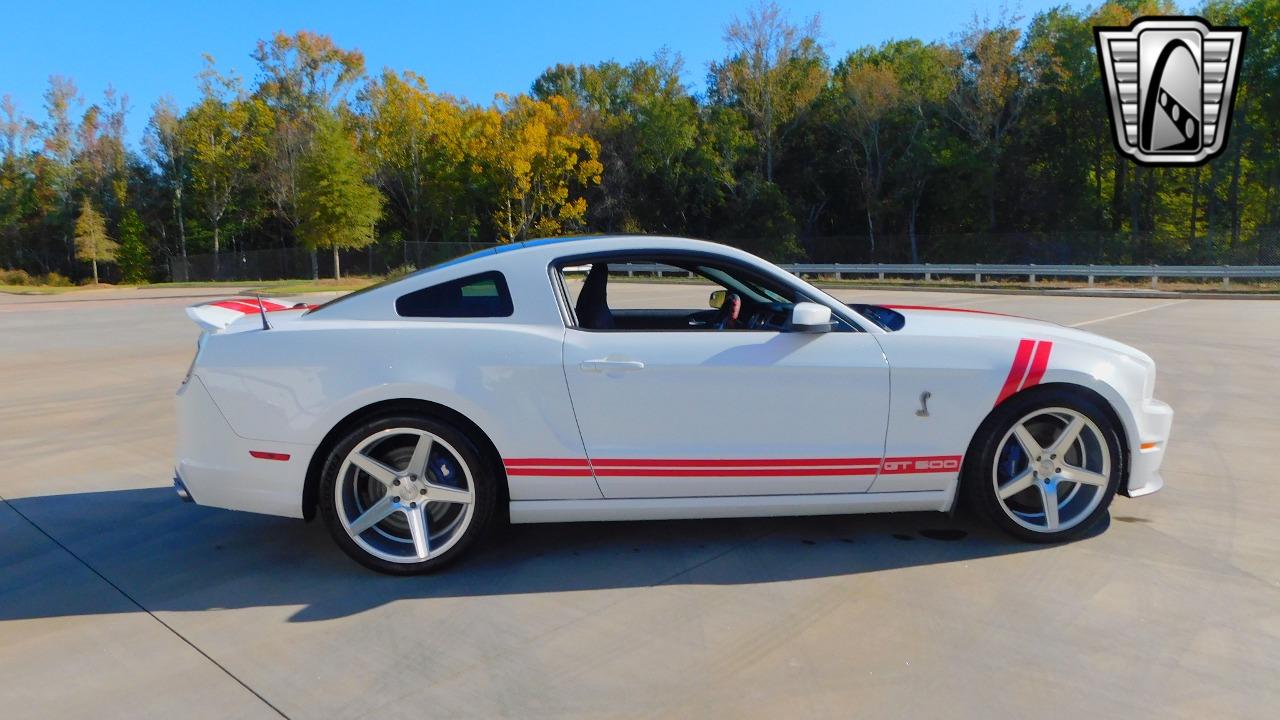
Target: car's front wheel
column 1046, row 465
column 405, row 495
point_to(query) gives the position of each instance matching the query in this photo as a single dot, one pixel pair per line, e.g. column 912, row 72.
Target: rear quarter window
column 474, row 296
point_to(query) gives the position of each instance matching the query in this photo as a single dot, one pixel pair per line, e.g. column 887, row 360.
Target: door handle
column 608, row 366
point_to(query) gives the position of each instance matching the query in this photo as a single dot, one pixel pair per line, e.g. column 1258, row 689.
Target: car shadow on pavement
column 174, row 557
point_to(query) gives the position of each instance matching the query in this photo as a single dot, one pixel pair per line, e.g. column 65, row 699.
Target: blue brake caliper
column 1013, row 459
column 444, row 469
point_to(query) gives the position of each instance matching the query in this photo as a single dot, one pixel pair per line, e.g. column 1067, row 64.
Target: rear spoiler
column 217, row 315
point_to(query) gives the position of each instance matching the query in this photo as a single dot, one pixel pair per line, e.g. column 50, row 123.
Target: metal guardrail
column 1033, row 273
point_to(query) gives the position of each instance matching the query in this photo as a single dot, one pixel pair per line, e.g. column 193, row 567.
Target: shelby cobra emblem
column 1170, row 84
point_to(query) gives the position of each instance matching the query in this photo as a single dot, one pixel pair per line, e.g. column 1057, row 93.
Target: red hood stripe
column 1017, row 371
column 1039, row 363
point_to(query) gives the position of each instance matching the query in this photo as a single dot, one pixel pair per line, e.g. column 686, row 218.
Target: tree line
column 994, row 145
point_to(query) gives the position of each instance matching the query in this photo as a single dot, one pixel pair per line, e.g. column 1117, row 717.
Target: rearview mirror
column 807, row 317
column 717, row 298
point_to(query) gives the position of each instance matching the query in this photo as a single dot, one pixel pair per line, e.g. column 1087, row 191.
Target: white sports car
column 408, row 414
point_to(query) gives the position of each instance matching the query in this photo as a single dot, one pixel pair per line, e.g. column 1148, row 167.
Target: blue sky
column 472, row 49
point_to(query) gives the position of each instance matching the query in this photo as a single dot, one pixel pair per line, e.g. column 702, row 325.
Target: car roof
column 376, row 302
column 585, row 244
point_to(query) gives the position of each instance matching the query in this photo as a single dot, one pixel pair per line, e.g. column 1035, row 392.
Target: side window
column 635, row 286
column 618, row 292
column 475, row 296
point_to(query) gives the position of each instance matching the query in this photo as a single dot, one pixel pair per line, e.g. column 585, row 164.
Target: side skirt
column 687, row 508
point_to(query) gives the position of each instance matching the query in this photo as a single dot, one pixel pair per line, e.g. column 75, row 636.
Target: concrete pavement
column 116, row 600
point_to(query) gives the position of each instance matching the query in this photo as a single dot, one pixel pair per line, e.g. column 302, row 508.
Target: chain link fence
column 298, row 263
column 1079, row 248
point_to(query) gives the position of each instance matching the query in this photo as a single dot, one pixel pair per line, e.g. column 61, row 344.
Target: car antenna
column 262, row 311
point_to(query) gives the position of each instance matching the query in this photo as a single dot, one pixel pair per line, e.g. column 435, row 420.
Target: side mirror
column 717, row 298
column 807, row 317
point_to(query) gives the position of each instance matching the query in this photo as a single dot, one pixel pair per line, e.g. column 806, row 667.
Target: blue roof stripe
column 508, row 248
column 557, row 240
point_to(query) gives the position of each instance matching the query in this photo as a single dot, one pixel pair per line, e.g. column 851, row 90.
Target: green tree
column 992, row 78
column 647, row 127
column 886, row 101
column 223, row 140
column 165, row 147
column 92, row 243
column 17, row 181
column 56, row 167
column 338, row 208
column 995, row 147
column 133, row 257
column 774, row 72
column 302, row 76
column 101, row 157
column 418, row 143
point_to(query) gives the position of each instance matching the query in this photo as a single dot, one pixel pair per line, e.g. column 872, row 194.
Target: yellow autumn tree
column 92, row 243
column 417, row 143
column 538, row 164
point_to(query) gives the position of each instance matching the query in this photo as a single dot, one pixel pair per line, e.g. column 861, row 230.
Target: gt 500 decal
column 900, row 466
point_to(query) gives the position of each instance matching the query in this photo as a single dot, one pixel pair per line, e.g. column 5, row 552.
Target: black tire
column 980, row 472
column 483, row 481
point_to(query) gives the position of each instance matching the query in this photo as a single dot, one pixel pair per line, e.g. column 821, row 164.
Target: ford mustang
column 529, row 381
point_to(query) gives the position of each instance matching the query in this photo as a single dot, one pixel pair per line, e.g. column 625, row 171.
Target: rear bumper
column 180, row 488
column 1146, row 451
column 214, row 466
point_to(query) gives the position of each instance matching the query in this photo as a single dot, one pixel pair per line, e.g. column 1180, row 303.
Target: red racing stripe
column 236, row 305
column 547, row 467
column 556, row 462
column 735, row 472
column 740, row 463
column 1017, row 371
column 547, row 472
column 250, row 305
column 748, row 467
column 1039, row 363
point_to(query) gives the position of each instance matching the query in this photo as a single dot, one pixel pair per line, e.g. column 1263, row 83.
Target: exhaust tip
column 180, row 488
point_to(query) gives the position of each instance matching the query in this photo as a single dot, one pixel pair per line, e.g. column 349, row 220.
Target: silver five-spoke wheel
column 404, row 495
column 1052, row 469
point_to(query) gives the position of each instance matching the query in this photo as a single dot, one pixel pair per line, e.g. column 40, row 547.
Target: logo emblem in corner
column 1170, row 84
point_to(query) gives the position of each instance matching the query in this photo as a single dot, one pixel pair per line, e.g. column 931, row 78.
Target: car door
column 686, row 413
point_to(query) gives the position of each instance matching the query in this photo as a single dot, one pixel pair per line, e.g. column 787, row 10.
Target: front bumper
column 1146, row 451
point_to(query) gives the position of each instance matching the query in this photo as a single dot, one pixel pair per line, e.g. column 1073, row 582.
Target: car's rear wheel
column 406, row 495
column 1045, row 466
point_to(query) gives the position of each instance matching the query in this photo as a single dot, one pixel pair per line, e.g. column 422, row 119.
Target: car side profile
column 526, row 380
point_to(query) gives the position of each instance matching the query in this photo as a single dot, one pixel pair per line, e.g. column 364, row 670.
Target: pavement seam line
column 713, row 558
column 1127, row 314
column 142, row 607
